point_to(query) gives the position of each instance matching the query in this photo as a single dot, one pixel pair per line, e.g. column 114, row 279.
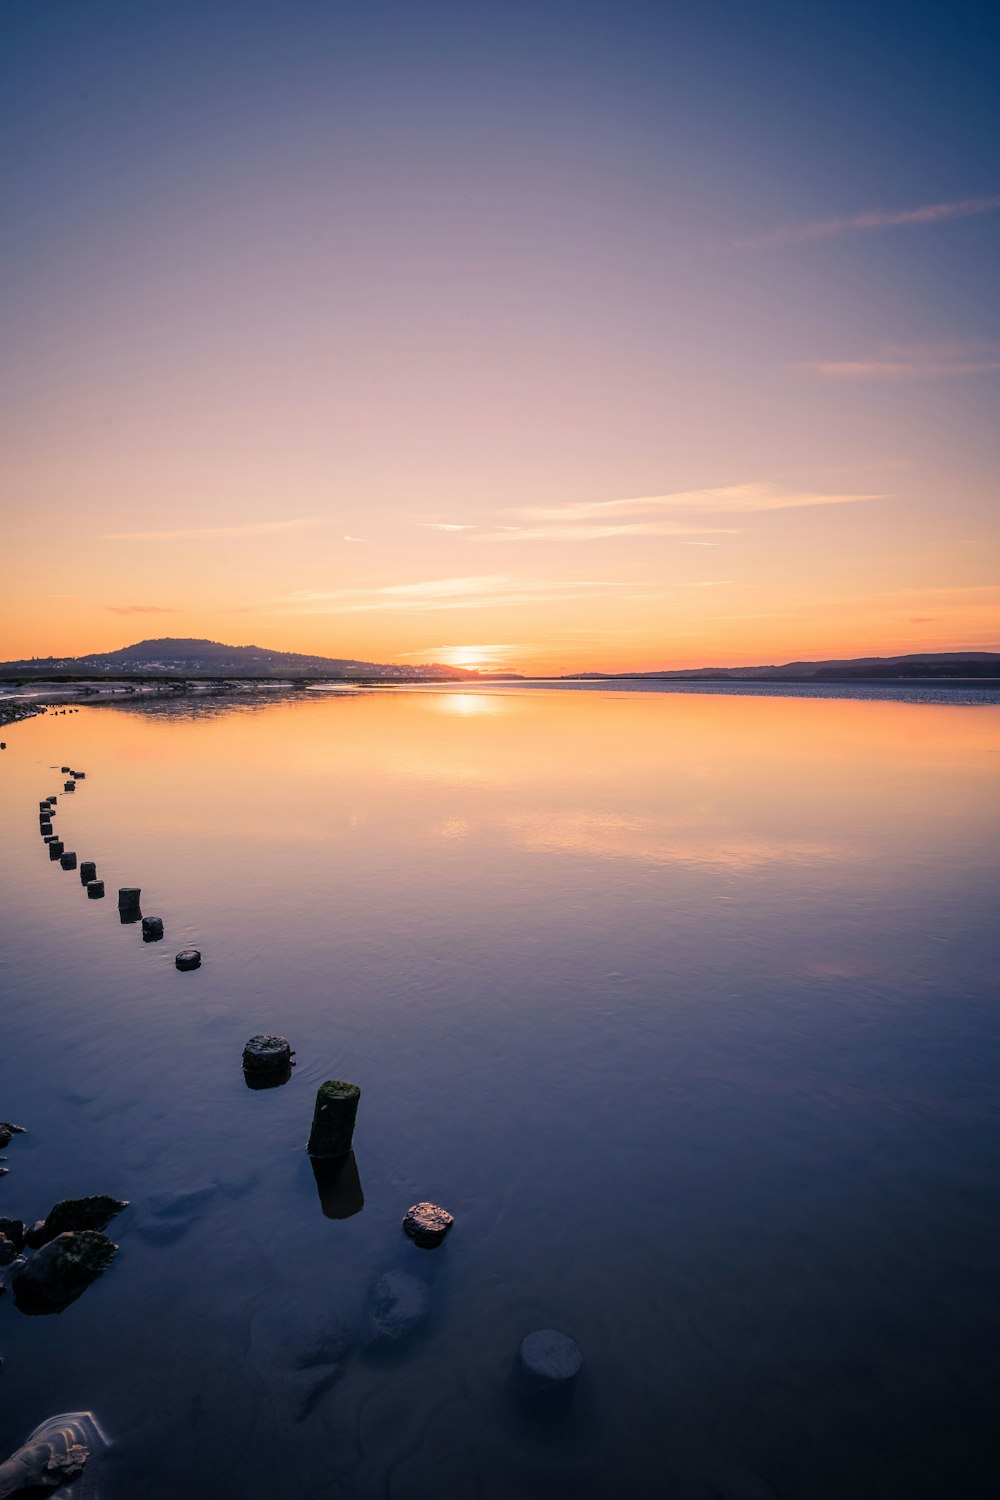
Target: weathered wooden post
column 333, row 1118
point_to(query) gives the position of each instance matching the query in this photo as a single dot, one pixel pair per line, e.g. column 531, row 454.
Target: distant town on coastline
column 170, row 657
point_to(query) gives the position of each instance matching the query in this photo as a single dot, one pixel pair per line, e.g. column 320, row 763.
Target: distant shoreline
column 90, row 685
column 22, row 696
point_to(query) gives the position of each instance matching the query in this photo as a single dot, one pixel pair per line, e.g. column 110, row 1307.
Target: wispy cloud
column 190, row 533
column 583, row 520
column 140, row 609
column 489, row 591
column 870, row 219
column 924, row 362
column 580, row 532
column 448, row 525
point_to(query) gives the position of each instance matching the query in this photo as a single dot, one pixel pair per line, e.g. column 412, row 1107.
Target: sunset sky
column 543, row 336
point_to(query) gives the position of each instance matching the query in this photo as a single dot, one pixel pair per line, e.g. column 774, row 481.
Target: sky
column 539, row 337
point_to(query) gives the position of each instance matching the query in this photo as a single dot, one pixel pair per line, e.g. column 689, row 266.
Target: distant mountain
column 193, row 658
column 187, row 658
column 922, row 665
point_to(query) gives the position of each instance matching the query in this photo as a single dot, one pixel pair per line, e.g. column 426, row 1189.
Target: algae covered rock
column 61, row 1270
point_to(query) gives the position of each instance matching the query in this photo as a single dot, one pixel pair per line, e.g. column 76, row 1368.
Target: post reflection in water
column 338, row 1183
column 685, row 1006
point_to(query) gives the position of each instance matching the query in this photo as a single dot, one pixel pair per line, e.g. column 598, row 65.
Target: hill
column 196, row 658
column 921, row 666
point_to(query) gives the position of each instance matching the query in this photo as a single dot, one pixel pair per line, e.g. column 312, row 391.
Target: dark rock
column 68, row 860
column 62, row 1270
column 188, row 958
column 95, row 889
column 88, row 871
column 8, row 1250
column 14, row 1230
column 399, row 1304
column 267, row 1053
column 427, row 1224
column 152, row 929
column 7, row 1130
column 333, row 1118
column 74, row 1214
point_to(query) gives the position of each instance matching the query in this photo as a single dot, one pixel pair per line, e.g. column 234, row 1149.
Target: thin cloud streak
column 490, row 591
column 928, row 362
column 191, row 533
column 872, row 219
column 140, row 609
column 581, row 533
column 733, row 499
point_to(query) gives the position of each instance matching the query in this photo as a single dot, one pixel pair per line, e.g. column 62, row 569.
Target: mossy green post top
column 333, row 1118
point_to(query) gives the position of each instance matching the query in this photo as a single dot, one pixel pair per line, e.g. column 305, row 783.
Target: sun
column 471, row 658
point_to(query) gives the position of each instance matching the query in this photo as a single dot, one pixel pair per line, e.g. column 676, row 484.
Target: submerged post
column 333, row 1118
column 546, row 1369
column 88, row 871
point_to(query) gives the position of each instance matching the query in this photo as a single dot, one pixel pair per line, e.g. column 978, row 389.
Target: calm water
column 685, row 1005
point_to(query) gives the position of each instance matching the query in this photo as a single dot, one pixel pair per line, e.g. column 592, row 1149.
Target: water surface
column 685, row 1006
